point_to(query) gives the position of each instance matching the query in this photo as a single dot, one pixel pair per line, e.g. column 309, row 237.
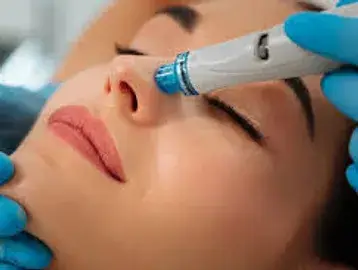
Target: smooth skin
column 199, row 192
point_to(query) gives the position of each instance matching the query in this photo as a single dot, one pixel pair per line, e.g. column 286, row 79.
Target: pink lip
column 88, row 135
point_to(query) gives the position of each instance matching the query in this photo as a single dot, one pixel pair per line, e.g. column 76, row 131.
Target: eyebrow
column 301, row 92
column 185, row 16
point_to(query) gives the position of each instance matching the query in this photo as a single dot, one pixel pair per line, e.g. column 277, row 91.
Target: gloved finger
column 352, row 176
column 353, row 146
column 25, row 251
column 345, row 2
column 13, row 218
column 8, row 267
column 6, row 168
column 328, row 35
column 341, row 89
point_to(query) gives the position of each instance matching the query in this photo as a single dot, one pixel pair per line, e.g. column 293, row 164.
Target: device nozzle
column 166, row 79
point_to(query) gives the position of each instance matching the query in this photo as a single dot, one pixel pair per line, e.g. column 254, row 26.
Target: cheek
column 209, row 185
column 82, row 89
column 202, row 157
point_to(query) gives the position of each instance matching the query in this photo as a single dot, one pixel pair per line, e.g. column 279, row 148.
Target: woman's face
column 199, row 188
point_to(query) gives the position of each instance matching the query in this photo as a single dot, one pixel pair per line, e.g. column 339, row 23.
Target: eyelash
column 120, row 50
column 310, row 7
column 239, row 119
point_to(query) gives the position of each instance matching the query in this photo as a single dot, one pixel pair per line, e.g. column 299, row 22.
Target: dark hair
column 337, row 232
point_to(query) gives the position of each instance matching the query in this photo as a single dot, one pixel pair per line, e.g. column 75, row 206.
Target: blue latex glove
column 334, row 37
column 18, row 111
column 18, row 250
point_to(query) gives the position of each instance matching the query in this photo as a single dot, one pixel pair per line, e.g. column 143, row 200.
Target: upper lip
column 95, row 132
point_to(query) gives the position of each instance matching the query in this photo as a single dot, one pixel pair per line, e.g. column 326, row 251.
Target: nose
column 132, row 89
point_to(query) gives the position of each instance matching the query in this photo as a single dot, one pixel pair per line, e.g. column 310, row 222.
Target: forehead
column 233, row 18
column 220, row 20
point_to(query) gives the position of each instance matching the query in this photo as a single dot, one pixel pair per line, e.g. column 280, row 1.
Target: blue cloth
column 18, row 111
column 334, row 37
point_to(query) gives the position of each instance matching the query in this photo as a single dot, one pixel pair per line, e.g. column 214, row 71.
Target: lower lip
column 81, row 142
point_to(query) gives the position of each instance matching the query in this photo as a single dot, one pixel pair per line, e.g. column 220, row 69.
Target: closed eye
column 309, row 6
column 121, row 50
column 237, row 118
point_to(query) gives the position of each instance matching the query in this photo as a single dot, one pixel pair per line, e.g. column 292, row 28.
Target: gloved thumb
column 328, row 35
column 6, row 168
column 341, row 89
column 345, row 2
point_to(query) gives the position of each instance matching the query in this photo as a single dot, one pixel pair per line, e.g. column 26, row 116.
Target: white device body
column 236, row 62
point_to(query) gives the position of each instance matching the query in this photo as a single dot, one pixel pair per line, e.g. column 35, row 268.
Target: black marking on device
column 261, row 50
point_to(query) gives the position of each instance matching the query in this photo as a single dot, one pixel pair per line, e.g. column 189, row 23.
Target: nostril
column 107, row 86
column 134, row 102
column 127, row 89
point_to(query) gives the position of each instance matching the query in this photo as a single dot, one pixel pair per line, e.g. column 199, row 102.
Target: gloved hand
column 19, row 108
column 334, row 37
column 18, row 250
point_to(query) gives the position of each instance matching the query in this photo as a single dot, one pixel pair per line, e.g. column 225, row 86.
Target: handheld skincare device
column 259, row 56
